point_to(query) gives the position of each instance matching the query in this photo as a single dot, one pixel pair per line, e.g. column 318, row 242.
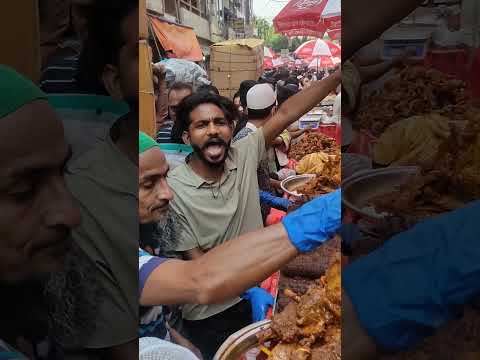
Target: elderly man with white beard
column 48, row 290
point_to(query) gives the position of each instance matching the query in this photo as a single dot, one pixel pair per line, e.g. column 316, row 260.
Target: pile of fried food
column 301, row 272
column 310, row 143
column 414, row 91
column 329, row 180
column 451, row 182
column 309, row 327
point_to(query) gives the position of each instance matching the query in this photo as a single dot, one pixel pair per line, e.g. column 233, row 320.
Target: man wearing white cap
column 216, row 192
column 262, row 104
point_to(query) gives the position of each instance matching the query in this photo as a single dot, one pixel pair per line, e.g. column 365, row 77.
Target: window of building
column 195, row 6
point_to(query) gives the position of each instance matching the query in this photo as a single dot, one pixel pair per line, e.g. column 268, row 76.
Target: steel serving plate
column 360, row 188
column 294, row 182
column 241, row 342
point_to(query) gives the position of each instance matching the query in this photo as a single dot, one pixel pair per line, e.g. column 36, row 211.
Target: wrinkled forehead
column 152, row 162
column 31, row 137
column 206, row 111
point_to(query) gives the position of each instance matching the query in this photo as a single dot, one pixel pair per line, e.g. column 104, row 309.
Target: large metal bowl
column 242, row 341
column 359, row 189
column 290, row 184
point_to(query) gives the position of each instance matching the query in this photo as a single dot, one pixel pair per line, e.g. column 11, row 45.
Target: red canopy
column 179, row 40
column 309, row 18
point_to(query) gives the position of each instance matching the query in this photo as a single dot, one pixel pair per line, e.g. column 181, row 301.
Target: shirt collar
column 198, row 181
column 251, row 126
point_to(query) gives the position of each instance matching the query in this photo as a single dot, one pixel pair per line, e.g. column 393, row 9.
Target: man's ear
column 111, row 81
column 186, row 137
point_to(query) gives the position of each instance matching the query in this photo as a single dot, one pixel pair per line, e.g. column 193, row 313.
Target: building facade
column 212, row 20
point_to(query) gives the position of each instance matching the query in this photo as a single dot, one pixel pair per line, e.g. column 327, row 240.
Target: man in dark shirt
column 168, row 133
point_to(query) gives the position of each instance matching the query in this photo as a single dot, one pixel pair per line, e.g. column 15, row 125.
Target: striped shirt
column 164, row 134
column 152, row 319
column 59, row 76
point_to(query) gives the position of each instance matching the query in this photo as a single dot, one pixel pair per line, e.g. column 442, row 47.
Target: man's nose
column 212, row 129
column 164, row 192
column 63, row 209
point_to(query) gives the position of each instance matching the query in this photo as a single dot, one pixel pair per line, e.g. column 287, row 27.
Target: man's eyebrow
column 154, row 173
column 40, row 169
column 214, row 119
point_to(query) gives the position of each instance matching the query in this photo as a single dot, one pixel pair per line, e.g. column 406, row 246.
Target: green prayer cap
column 145, row 142
column 16, row 91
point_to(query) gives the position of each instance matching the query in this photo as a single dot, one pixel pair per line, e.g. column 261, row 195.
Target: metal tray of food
column 241, row 342
column 359, row 189
column 290, row 184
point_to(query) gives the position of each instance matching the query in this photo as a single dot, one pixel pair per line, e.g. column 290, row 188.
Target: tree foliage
column 275, row 41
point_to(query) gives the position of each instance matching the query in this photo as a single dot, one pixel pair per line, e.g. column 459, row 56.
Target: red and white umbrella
column 268, row 53
column 324, row 62
column 318, row 47
column 278, row 62
column 309, row 18
column 267, row 63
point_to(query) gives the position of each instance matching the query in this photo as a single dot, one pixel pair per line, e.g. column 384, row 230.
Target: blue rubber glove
column 418, row 280
column 260, row 300
column 315, row 222
column 274, row 201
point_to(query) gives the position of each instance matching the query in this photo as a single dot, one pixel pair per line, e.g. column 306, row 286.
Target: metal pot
column 290, row 184
column 359, row 189
column 242, row 341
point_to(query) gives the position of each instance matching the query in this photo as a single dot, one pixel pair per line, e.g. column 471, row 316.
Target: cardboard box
column 234, row 61
column 20, row 37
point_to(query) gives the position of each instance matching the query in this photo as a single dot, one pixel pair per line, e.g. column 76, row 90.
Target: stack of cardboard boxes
column 234, row 61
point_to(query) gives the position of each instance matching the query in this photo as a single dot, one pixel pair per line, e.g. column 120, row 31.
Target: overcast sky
column 268, row 9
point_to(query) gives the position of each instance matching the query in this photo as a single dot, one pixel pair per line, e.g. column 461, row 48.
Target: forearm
column 295, row 134
column 373, row 72
column 275, row 184
column 233, row 267
column 361, row 25
column 298, row 105
column 223, row 272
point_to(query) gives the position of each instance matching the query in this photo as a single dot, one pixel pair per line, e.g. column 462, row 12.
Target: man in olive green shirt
column 216, row 192
column 104, row 181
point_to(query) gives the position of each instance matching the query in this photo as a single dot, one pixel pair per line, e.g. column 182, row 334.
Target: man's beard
column 72, row 296
column 60, row 307
column 217, row 141
column 161, row 234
